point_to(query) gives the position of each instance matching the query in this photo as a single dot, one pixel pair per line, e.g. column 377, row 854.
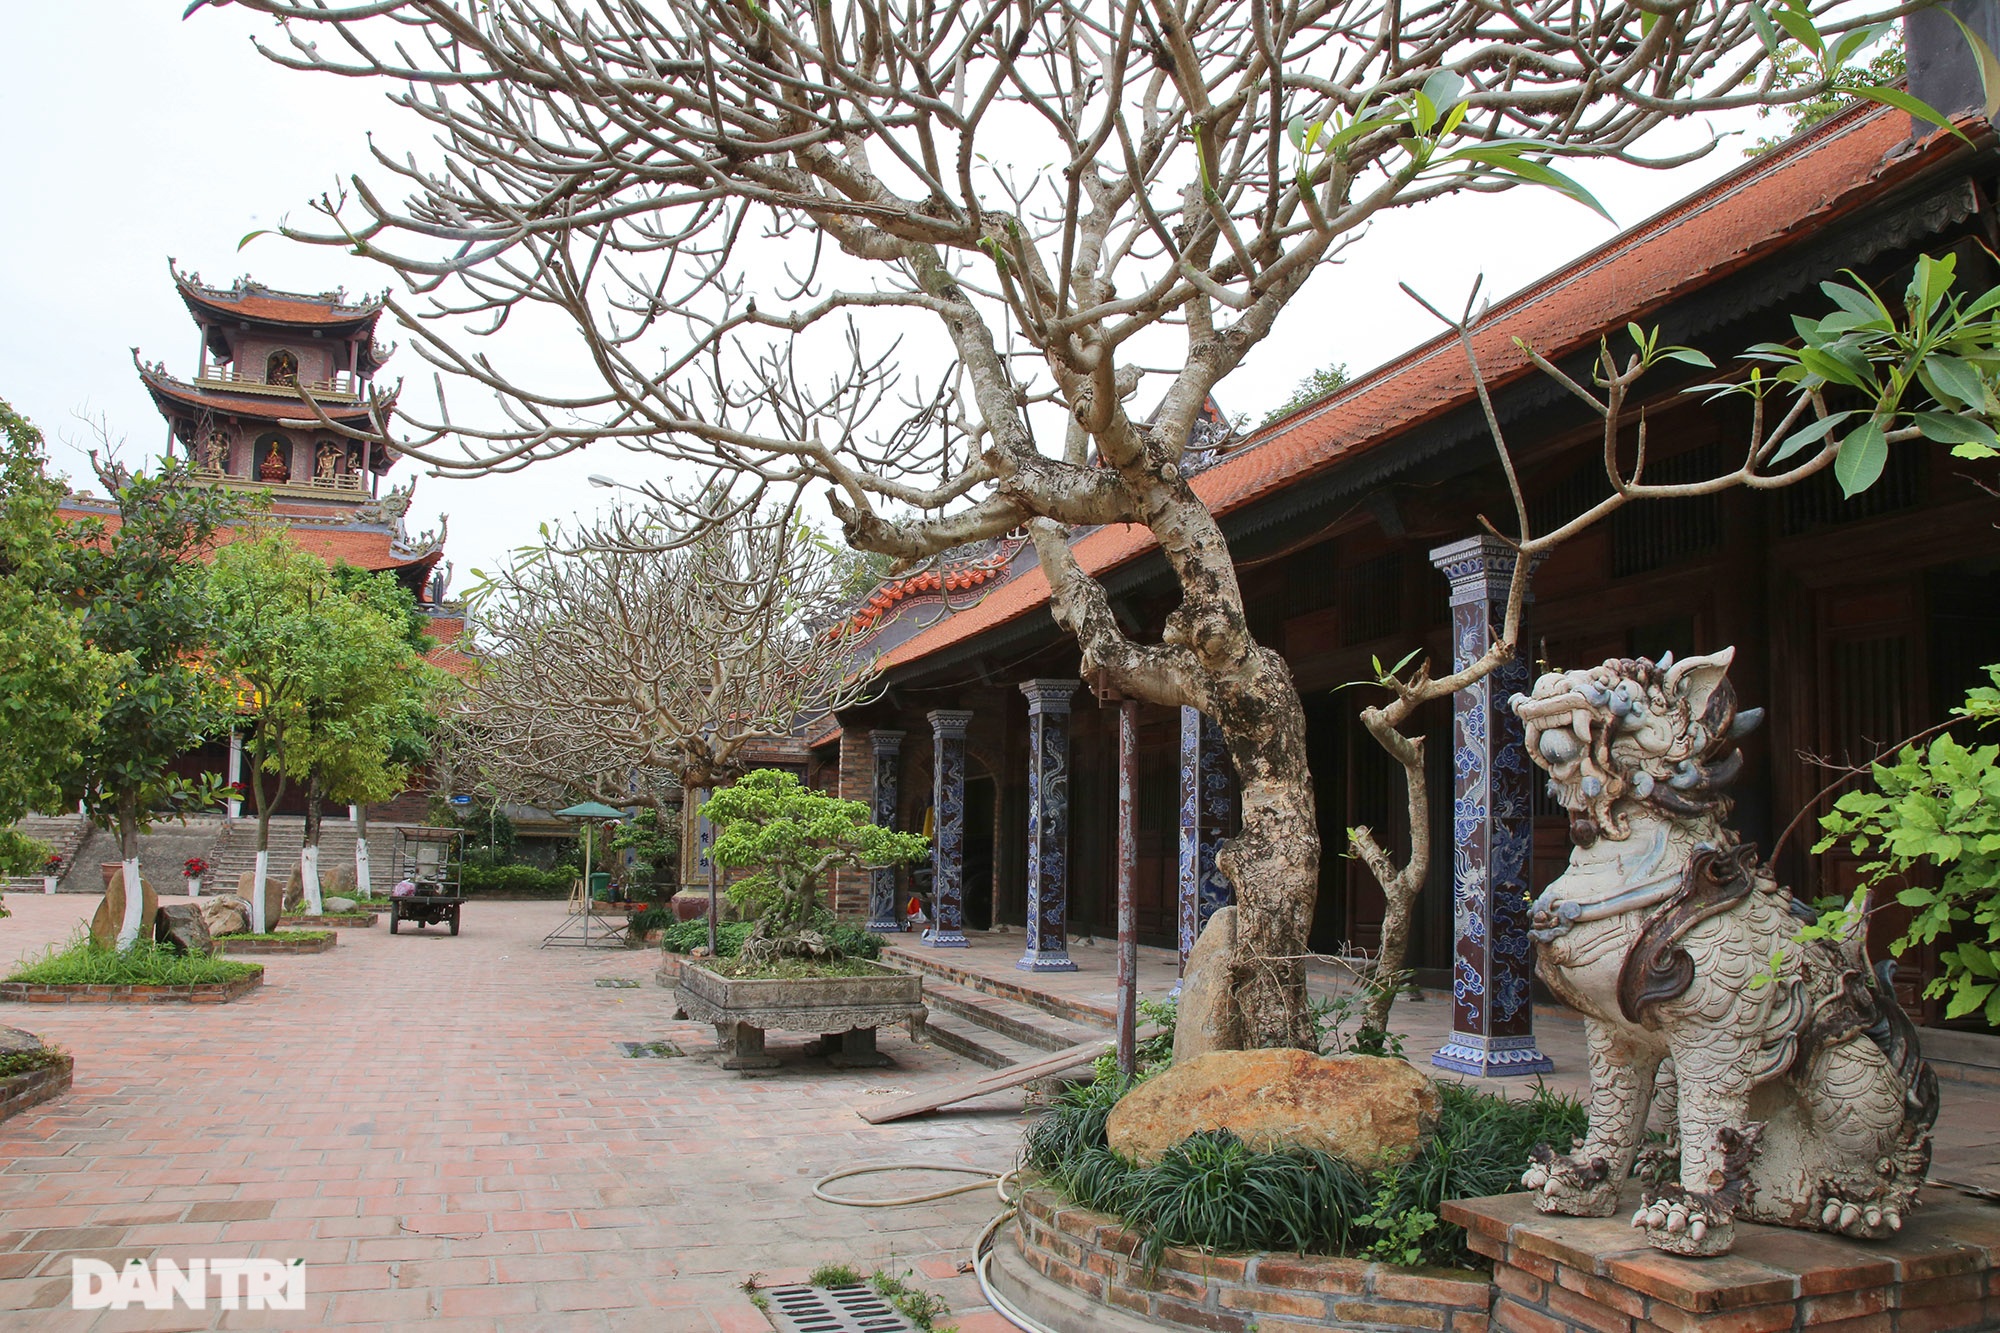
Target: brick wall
column 20, row 1091
column 1094, row 1254
column 1597, row 1275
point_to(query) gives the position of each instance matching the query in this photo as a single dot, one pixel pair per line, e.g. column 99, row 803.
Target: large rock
column 110, row 914
column 226, row 914
column 1208, row 1019
column 295, row 891
column 246, row 892
column 341, row 904
column 183, row 926
column 1365, row 1109
column 337, row 882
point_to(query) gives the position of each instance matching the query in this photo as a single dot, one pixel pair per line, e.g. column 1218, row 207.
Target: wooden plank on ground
column 998, row 1080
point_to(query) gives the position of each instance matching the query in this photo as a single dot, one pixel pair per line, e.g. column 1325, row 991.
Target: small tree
column 327, row 676
column 53, row 682
column 792, row 838
column 142, row 590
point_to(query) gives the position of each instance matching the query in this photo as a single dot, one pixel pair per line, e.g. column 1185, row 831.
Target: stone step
column 1023, row 1023
column 960, row 1035
column 936, row 963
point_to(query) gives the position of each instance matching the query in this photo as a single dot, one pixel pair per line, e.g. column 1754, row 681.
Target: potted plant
column 790, row 973
column 194, row 868
column 51, row 872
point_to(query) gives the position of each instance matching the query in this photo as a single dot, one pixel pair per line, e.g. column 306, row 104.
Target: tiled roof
column 1760, row 207
column 166, row 389
column 365, row 546
column 253, row 300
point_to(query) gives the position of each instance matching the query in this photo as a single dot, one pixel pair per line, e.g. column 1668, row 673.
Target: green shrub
column 146, row 963
column 1214, row 1191
column 21, row 854
column 524, row 880
column 687, row 936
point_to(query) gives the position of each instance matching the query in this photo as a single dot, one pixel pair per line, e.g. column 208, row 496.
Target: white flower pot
column 194, row 886
column 48, row 883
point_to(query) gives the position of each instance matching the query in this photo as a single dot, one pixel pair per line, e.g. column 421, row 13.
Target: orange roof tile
column 259, row 407
column 1762, row 206
column 365, row 548
column 250, row 300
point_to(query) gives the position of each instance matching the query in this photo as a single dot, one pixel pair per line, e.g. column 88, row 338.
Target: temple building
column 1356, row 524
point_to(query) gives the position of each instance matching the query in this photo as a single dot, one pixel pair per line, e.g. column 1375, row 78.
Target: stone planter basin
column 844, row 1011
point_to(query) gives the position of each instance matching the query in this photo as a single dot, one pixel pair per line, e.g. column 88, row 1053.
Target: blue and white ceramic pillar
column 1493, row 1020
column 1048, row 826
column 948, row 837
column 883, row 913
column 1208, row 800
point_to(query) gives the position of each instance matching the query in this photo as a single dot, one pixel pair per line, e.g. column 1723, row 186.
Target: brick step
column 63, row 832
column 934, row 963
column 1022, row 1023
column 960, row 1035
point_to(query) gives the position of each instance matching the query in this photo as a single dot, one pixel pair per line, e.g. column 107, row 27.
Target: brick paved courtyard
column 444, row 1130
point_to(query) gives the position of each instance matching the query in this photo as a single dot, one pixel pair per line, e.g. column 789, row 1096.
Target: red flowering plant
column 195, row 867
column 52, row 866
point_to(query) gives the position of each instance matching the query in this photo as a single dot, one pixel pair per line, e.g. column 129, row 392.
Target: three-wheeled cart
column 428, row 858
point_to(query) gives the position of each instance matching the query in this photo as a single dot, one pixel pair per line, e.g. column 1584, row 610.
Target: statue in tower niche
column 1792, row 1091
column 274, row 467
column 328, row 465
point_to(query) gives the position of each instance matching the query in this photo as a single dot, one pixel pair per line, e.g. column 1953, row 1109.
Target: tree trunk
column 1274, row 862
column 135, row 887
column 362, row 887
column 309, row 853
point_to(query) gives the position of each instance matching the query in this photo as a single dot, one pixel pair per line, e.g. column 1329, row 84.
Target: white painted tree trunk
column 361, row 882
column 135, row 903
column 309, row 877
column 257, row 880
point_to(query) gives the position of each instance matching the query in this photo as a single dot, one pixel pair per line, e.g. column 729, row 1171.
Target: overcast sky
column 133, row 136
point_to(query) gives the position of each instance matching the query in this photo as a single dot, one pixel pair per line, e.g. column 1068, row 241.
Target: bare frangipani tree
column 751, row 214
column 650, row 645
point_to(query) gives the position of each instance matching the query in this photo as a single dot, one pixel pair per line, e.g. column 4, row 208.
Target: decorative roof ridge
column 335, row 300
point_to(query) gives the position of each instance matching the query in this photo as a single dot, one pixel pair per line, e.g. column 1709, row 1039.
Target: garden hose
column 982, row 1247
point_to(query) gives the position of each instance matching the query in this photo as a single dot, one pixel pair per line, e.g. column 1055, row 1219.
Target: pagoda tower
column 243, row 419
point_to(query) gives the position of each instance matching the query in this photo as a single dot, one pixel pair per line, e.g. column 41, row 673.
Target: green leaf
column 1853, row 301
column 1949, row 428
column 1858, row 40
column 1956, row 379
column 1989, row 68
column 250, row 236
column 1765, row 31
column 1510, row 163
column 1800, row 26
column 1863, row 455
column 1902, row 101
column 1688, row 355
column 1806, row 435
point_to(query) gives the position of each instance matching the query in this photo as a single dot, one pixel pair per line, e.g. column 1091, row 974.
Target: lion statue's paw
column 1571, row 1186
column 1862, row 1219
column 1681, row 1221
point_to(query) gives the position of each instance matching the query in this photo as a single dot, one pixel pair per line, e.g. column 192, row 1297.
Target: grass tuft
column 294, row 936
column 23, row 1062
column 915, row 1304
column 833, row 1275
column 82, row 963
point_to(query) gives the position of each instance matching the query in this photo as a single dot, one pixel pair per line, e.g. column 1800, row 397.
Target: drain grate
column 648, row 1050
column 855, row 1309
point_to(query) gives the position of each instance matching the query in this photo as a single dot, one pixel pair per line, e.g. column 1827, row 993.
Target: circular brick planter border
column 1094, row 1255
column 329, row 922
column 278, row 946
column 20, row 1091
column 209, row 992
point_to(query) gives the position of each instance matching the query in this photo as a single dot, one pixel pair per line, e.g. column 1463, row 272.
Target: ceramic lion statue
column 1791, row 1094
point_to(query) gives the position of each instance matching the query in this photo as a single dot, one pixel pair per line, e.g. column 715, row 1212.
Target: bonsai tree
column 793, row 837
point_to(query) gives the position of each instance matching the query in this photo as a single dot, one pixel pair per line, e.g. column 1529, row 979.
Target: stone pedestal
column 884, row 912
column 948, row 838
column 1048, row 826
column 1586, row 1275
column 1493, row 1021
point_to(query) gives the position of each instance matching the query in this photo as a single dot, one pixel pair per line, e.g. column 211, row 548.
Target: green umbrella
column 588, row 810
